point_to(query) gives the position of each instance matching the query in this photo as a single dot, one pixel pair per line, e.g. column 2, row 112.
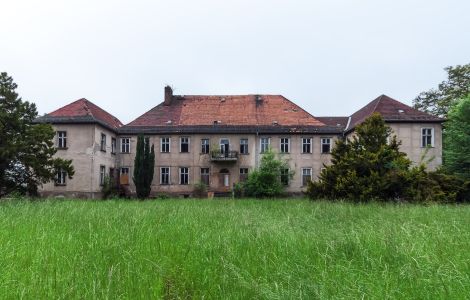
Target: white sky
column 331, row 57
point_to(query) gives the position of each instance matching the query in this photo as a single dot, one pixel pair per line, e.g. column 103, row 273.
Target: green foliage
column 26, row 149
column 144, row 164
column 238, row 190
column 457, row 140
column 266, row 180
column 439, row 102
column 368, row 168
column 109, row 188
column 364, row 168
column 200, row 189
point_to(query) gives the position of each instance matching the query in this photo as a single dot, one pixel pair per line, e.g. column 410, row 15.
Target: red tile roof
column 85, row 108
column 243, row 110
column 392, row 111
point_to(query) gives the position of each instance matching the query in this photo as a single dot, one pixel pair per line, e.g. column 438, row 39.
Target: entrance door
column 224, row 146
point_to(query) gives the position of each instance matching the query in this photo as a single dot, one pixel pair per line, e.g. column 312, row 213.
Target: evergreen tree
column 26, row 149
column 365, row 167
column 144, row 164
column 457, row 140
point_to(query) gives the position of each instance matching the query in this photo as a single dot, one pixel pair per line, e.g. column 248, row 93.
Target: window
column 102, row 174
column 306, row 145
column 265, row 144
column 205, row 146
column 243, row 146
column 285, row 176
column 111, row 173
column 125, row 145
column 205, row 176
column 184, row 144
column 184, row 175
column 113, row 145
column 62, row 139
column 325, row 145
column 60, row 177
column 125, row 170
column 427, row 137
column 103, row 142
column 243, row 174
column 285, row 145
column 165, row 145
column 306, row 176
column 164, row 175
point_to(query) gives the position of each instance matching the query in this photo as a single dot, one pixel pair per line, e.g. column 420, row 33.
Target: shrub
column 200, row 189
column 266, row 180
column 109, row 188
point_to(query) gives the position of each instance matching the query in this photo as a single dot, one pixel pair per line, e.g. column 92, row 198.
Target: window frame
column 205, row 146
column 283, row 144
column 102, row 174
column 127, row 146
column 166, row 144
column 61, row 177
column 286, row 176
column 244, row 148
column 203, row 175
column 324, row 144
column 243, row 176
column 431, row 136
column 167, row 174
column 310, row 145
column 103, row 142
column 181, row 174
column 113, row 145
column 62, row 139
column 302, row 176
column 181, row 144
column 261, row 144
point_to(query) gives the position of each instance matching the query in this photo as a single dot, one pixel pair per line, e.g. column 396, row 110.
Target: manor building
column 219, row 140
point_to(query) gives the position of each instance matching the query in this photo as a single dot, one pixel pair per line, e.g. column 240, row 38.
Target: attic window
column 168, row 122
column 217, row 122
column 222, row 99
column 275, row 123
column 401, row 111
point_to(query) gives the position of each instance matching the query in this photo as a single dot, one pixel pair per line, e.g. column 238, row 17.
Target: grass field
column 273, row 249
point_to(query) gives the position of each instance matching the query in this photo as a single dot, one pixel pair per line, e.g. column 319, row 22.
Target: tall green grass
column 238, row 249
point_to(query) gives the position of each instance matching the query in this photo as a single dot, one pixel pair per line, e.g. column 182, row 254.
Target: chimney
column 168, row 95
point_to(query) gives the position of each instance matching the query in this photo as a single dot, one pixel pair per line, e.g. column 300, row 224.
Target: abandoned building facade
column 218, row 140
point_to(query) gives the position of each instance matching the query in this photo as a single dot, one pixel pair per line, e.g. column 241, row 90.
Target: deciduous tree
column 26, row 149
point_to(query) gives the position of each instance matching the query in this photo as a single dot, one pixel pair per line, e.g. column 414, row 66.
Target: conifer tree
column 144, row 164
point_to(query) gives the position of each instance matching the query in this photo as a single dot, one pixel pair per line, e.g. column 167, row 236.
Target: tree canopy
column 144, row 164
column 368, row 166
column 457, row 139
column 439, row 101
column 26, row 149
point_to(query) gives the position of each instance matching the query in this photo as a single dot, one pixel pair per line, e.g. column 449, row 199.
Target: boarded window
column 243, row 174
column 124, row 178
column 205, row 176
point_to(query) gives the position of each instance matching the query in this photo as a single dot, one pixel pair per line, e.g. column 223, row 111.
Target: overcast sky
column 331, row 57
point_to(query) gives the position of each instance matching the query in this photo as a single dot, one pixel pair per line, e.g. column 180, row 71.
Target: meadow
column 232, row 249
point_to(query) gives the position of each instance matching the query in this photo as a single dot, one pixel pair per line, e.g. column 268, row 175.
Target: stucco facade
column 227, row 122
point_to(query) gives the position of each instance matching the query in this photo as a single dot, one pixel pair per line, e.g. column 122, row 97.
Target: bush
column 200, row 189
column 109, row 188
column 266, row 180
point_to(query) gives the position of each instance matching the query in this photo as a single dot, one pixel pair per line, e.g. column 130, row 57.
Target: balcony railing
column 224, row 156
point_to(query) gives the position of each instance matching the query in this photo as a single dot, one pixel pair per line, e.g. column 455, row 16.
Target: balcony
column 226, row 156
